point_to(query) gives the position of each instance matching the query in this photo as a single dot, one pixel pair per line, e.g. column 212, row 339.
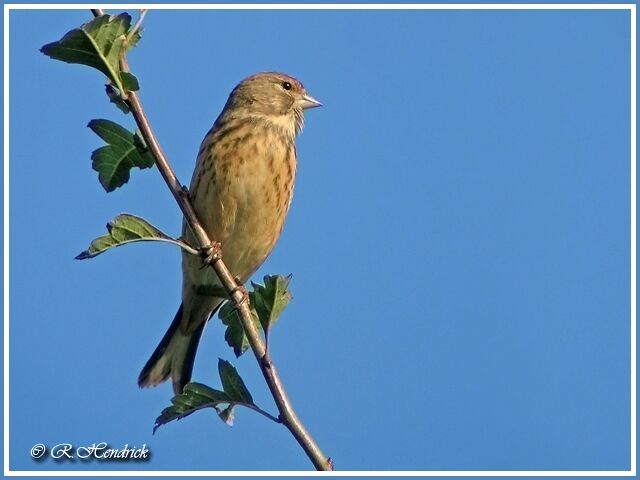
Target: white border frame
column 321, row 6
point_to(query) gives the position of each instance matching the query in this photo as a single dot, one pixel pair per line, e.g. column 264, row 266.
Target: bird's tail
column 173, row 357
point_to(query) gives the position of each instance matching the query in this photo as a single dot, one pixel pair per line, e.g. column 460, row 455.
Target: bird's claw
column 210, row 254
column 243, row 291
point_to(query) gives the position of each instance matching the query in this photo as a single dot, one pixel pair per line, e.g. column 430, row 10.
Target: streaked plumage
column 241, row 190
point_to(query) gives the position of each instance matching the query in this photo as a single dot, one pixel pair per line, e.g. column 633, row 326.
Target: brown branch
column 287, row 415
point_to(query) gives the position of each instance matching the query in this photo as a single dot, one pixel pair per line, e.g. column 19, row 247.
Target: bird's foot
column 210, row 254
column 243, row 291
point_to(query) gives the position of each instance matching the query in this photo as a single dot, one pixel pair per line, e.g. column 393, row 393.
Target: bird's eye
column 286, row 85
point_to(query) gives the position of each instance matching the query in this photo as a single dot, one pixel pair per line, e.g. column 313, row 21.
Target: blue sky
column 459, row 241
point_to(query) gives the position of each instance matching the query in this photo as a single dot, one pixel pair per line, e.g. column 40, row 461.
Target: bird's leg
column 242, row 289
column 210, row 254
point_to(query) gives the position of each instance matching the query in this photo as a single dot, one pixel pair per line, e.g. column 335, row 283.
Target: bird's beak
column 309, row 102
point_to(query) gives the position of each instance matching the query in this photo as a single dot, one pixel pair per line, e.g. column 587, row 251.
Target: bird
column 241, row 191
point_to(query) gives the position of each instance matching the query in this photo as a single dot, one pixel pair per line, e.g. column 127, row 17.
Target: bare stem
column 287, row 414
column 136, row 27
column 250, row 406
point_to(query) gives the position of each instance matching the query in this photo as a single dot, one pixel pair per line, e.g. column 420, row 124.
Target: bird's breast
column 242, row 190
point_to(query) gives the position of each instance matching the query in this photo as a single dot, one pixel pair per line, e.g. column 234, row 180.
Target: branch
column 287, row 415
column 255, row 408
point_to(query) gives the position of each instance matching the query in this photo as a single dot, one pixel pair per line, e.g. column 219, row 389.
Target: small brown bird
column 241, row 190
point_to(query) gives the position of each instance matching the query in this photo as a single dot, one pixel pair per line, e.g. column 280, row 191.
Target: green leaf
column 100, row 44
column 200, row 389
column 125, row 229
column 232, row 383
column 139, row 141
column 194, row 397
column 116, row 98
column 123, row 151
column 267, row 303
column 234, row 335
column 270, row 300
column 130, row 82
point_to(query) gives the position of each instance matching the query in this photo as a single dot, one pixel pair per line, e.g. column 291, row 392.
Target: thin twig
column 136, row 27
column 217, row 403
column 287, row 414
column 255, row 408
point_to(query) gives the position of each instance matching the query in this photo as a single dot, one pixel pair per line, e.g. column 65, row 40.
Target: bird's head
column 276, row 96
